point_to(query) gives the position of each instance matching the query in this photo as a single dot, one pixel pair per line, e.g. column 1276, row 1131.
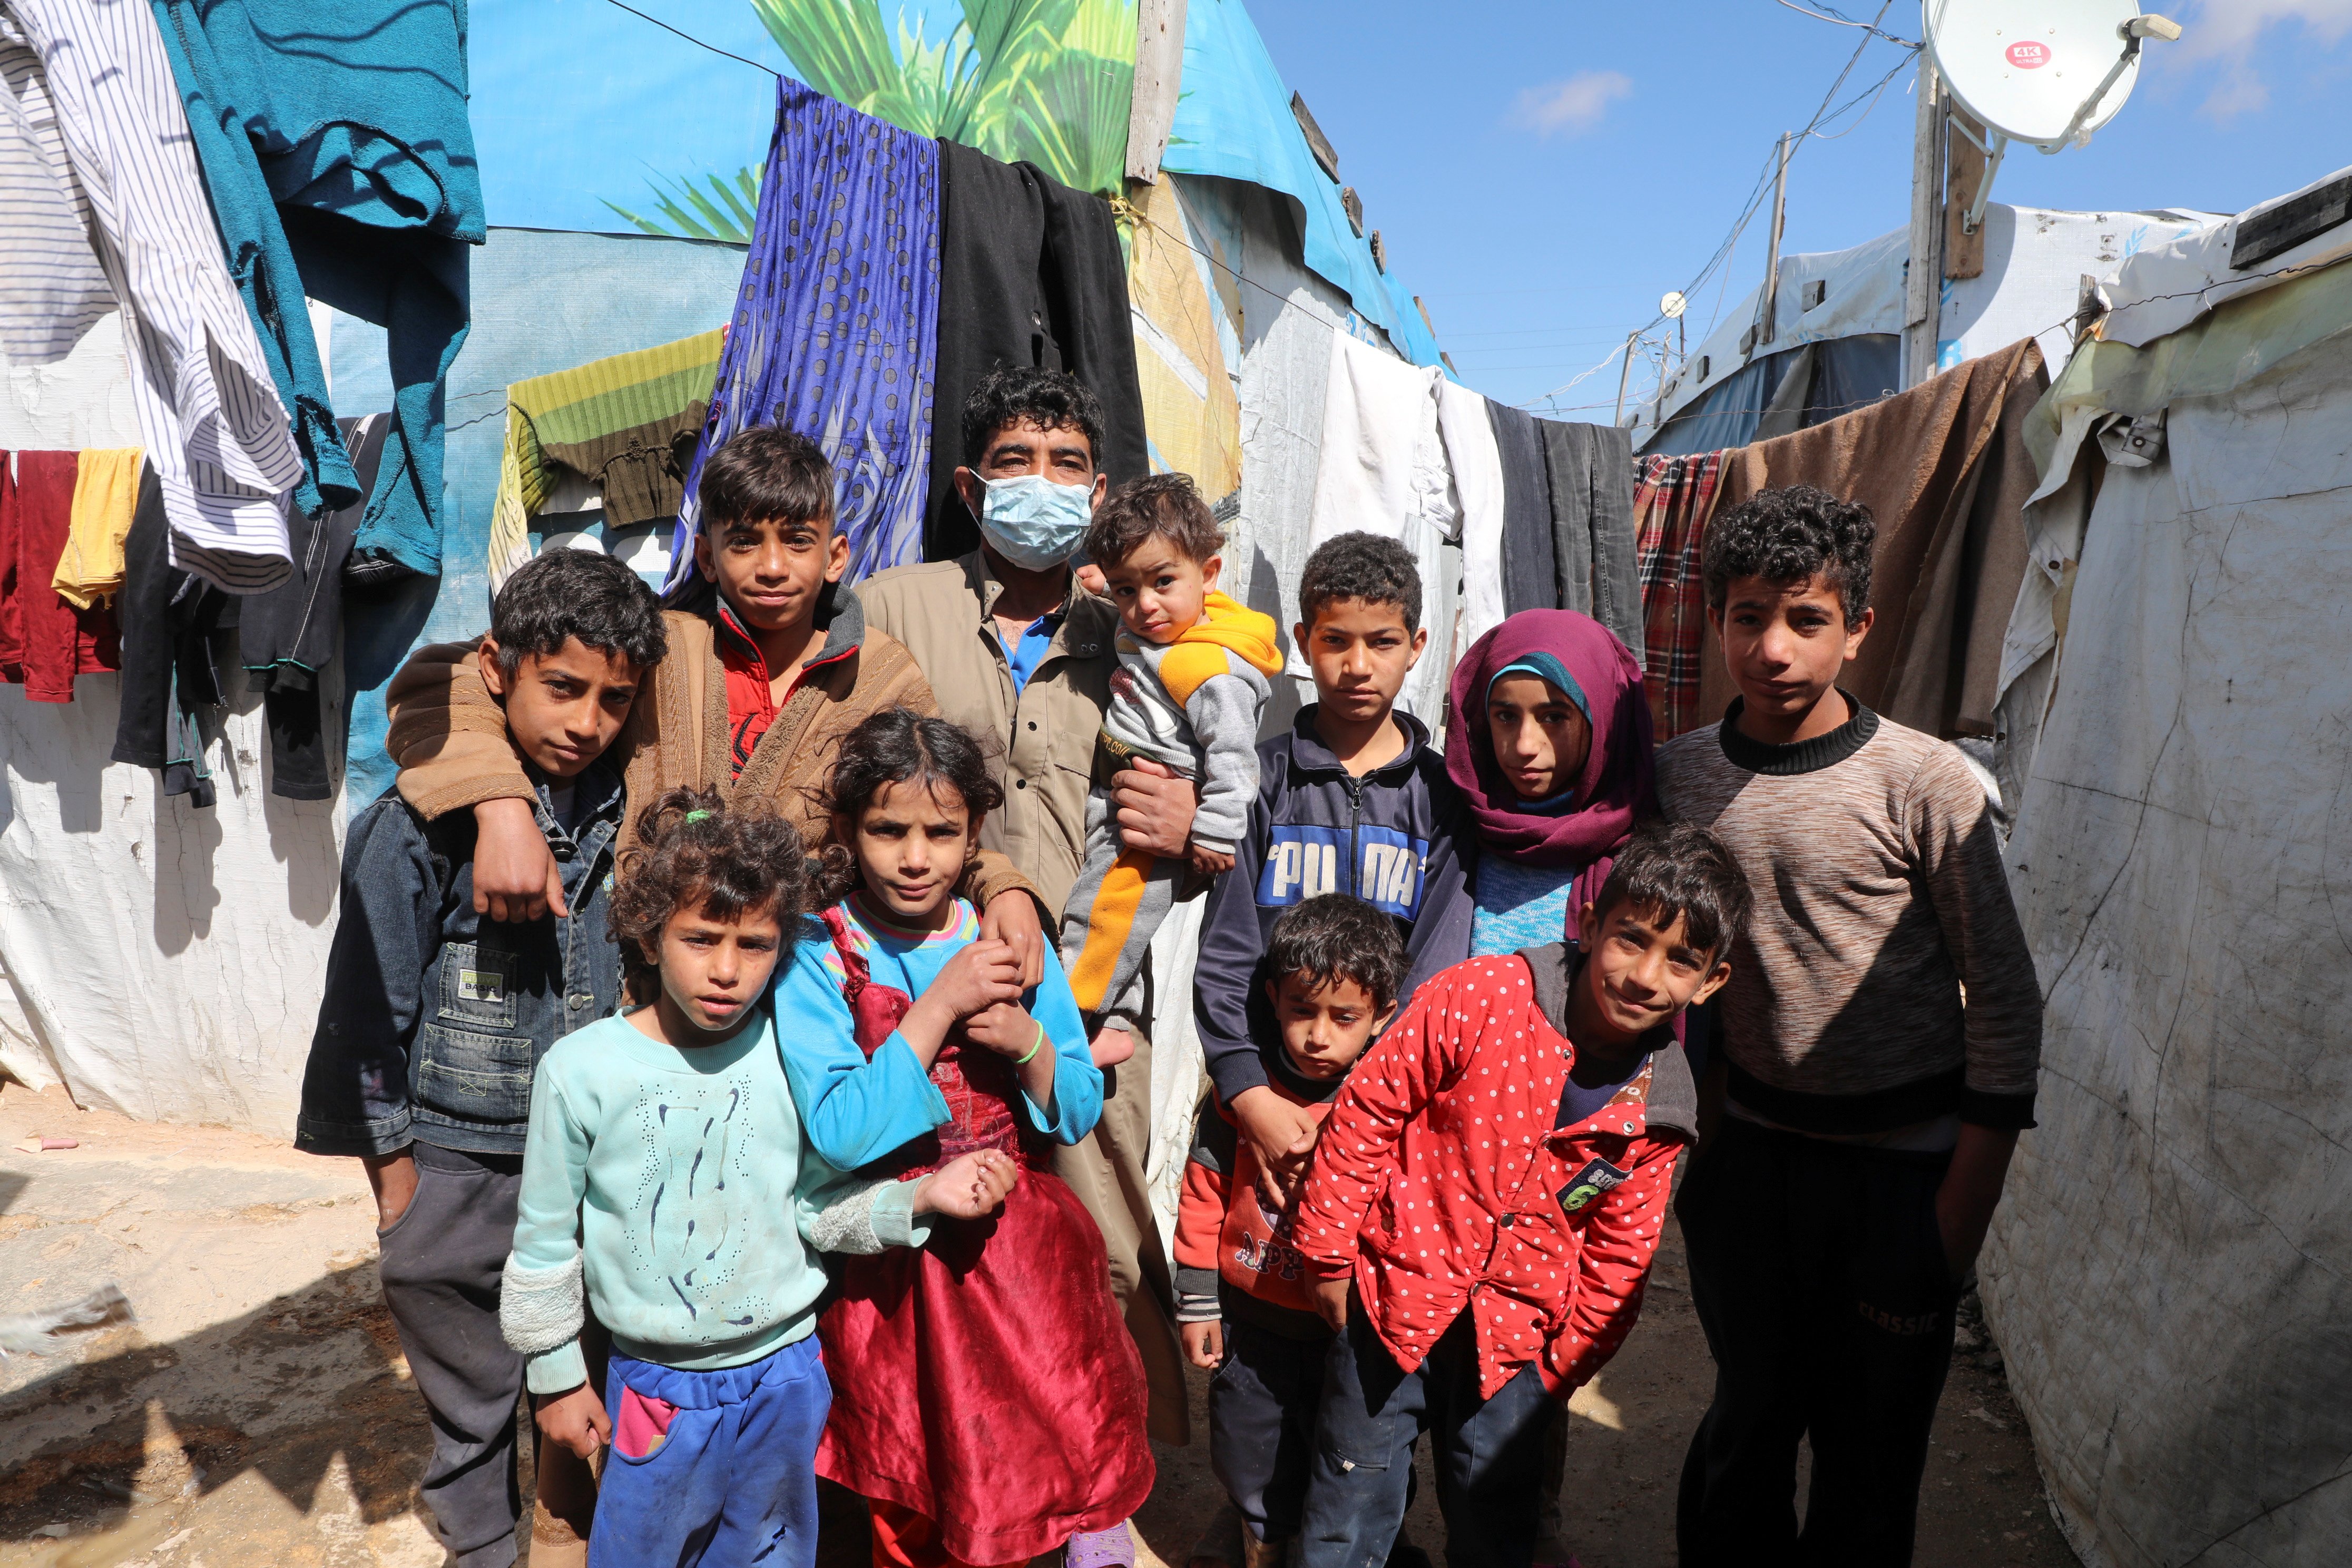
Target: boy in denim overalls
column 437, row 1013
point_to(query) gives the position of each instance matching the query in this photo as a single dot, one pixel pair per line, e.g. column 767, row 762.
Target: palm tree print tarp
column 1040, row 81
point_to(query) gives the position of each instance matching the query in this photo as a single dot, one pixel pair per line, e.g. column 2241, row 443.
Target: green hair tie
column 698, row 814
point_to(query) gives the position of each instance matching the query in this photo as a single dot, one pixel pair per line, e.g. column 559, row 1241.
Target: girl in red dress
column 988, row 1405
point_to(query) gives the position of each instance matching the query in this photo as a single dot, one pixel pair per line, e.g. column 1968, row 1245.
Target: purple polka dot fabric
column 836, row 331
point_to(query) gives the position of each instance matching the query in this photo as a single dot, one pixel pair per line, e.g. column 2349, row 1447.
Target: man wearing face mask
column 1017, row 650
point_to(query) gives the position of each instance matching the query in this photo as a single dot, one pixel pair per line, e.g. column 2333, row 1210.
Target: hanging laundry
column 1031, row 273
column 44, row 642
column 1477, row 461
column 1591, row 468
column 288, row 636
column 613, row 422
column 1944, row 472
column 1283, row 377
column 1384, row 471
column 216, row 431
column 1531, row 581
column 176, row 627
column 336, row 147
column 106, row 492
column 835, row 329
column 51, row 286
column 1673, row 499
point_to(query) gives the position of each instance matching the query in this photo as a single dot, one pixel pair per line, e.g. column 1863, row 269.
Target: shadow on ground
column 309, row 1387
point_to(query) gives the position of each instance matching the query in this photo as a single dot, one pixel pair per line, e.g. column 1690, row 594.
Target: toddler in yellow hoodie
column 1191, row 684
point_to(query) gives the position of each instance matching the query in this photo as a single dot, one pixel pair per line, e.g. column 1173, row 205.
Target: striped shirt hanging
column 51, row 287
column 215, row 432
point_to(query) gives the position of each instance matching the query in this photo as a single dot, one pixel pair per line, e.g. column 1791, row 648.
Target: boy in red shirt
column 1486, row 1198
column 1244, row 1299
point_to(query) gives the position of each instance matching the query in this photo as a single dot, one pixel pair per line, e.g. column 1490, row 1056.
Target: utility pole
column 1922, row 291
column 1768, row 322
column 1624, row 371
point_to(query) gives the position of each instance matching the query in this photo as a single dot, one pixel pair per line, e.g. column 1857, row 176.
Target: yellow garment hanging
column 106, row 492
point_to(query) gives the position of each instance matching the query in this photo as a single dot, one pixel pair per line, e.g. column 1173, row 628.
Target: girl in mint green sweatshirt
column 666, row 1183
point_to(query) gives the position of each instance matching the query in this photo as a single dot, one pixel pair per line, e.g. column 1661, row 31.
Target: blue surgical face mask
column 1034, row 522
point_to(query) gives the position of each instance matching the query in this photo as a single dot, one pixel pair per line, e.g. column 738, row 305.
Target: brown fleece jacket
column 448, row 735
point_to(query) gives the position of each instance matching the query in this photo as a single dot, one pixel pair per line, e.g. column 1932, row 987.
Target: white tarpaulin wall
column 161, row 960
column 2170, row 1276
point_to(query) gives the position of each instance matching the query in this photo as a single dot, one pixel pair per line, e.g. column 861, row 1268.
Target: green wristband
column 1040, row 1046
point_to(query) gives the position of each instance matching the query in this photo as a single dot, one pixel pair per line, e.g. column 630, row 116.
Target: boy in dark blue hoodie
column 1352, row 800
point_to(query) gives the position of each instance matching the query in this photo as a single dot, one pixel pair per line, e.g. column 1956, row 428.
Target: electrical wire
column 1821, row 115
column 1830, row 14
column 690, row 39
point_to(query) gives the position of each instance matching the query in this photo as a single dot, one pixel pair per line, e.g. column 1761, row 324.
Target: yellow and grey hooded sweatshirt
column 1194, row 704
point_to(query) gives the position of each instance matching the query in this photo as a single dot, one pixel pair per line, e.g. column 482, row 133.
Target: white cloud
column 2223, row 36
column 1576, row 104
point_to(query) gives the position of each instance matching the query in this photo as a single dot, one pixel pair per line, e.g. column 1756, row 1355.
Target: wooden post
column 1767, row 318
column 1159, row 72
column 1964, row 253
column 1624, row 372
column 1923, row 288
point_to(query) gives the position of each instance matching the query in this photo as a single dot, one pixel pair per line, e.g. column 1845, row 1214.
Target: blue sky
column 1543, row 172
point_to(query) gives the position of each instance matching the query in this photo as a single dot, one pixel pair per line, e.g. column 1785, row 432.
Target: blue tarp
column 1234, row 120
column 542, row 302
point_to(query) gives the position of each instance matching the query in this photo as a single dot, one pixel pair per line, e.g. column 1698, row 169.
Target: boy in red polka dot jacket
column 1486, row 1198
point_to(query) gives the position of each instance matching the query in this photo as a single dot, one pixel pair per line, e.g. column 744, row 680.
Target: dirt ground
column 258, row 1410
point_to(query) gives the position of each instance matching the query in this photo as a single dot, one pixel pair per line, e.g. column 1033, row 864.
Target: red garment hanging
column 44, row 642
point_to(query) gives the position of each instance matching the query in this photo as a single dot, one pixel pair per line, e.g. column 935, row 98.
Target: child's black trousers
column 1819, row 1278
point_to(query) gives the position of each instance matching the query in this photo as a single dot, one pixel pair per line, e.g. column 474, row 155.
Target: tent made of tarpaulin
column 2170, row 1275
column 2035, row 259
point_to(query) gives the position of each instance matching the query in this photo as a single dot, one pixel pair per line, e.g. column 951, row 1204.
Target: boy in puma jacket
column 1485, row 1201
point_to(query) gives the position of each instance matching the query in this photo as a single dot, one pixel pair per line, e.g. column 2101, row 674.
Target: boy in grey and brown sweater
column 1880, row 1038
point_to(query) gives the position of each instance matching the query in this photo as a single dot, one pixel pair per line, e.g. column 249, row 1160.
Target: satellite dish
column 2048, row 72
column 1674, row 304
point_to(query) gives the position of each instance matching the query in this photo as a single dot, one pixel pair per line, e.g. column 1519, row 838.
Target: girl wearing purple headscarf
column 1548, row 738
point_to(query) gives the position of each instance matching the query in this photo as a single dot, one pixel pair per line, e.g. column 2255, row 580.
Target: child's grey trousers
column 441, row 1261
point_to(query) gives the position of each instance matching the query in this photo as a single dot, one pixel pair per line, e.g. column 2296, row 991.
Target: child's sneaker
column 1112, row 1548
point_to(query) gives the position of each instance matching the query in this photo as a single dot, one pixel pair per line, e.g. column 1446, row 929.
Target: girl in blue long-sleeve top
column 989, row 1404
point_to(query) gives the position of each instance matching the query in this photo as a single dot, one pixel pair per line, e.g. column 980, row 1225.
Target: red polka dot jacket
column 1442, row 1183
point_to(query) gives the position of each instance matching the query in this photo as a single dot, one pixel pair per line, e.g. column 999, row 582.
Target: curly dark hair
column 1787, row 535
column 1158, row 506
column 585, row 594
column 695, row 850
column 1670, row 868
column 1360, row 566
column 1021, row 396
column 889, row 748
column 1336, row 937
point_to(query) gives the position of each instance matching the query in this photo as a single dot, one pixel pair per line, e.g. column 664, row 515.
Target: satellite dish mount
column 2008, row 63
